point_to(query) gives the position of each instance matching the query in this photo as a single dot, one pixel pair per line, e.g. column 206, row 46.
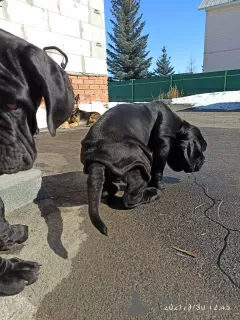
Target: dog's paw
column 15, row 274
column 13, row 234
column 151, row 194
column 159, row 185
column 106, row 194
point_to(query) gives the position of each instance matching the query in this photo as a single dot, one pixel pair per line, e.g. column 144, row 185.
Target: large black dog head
column 27, row 74
column 186, row 152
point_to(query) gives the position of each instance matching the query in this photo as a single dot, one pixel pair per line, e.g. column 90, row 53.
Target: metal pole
column 132, row 90
column 225, row 81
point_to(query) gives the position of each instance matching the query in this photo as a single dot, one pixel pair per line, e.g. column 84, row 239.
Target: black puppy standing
column 27, row 74
column 133, row 143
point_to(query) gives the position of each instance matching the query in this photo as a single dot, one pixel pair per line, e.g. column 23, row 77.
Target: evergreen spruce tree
column 127, row 57
column 163, row 65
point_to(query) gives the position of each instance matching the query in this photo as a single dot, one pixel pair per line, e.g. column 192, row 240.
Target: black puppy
column 27, row 74
column 133, row 142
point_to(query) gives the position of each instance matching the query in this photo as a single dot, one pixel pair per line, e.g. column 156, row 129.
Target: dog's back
column 135, row 120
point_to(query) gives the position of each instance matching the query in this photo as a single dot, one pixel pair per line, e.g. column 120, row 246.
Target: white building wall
column 222, row 40
column 75, row 26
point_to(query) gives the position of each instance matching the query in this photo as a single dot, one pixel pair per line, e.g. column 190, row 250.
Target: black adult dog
column 27, row 74
column 133, row 143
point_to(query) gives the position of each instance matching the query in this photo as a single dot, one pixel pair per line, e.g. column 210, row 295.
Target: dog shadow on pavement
column 61, row 190
column 66, row 190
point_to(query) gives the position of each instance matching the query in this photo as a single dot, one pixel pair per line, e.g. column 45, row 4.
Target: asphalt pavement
column 134, row 273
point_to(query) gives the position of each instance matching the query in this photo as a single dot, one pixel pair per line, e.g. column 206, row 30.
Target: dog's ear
column 55, row 86
column 192, row 143
column 191, row 151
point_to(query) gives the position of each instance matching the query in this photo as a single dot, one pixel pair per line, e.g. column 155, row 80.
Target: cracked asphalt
column 134, row 273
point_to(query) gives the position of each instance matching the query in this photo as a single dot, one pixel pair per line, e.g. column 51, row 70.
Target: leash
column 63, row 64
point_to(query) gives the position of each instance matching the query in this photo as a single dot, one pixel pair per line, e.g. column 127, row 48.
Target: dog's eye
column 12, row 106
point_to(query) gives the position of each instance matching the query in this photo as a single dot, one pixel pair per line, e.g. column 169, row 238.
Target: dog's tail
column 95, row 183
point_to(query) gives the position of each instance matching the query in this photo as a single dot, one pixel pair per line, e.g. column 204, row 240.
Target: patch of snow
column 93, row 107
column 41, row 118
column 98, row 107
column 229, row 100
column 114, row 104
column 225, row 101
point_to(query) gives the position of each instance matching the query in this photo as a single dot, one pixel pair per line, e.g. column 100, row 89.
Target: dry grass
column 173, row 92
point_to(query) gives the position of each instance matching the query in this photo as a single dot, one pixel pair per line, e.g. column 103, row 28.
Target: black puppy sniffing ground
column 135, row 143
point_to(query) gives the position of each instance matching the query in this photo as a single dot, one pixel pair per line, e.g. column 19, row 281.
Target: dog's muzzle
column 199, row 164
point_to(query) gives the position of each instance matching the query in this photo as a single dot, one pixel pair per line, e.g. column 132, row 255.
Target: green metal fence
column 187, row 84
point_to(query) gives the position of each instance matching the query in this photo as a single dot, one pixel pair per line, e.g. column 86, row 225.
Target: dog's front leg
column 10, row 234
column 15, row 273
column 158, row 166
column 160, row 155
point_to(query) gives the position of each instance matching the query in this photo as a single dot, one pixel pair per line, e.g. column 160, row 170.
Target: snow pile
column 41, row 118
column 225, row 101
column 113, row 104
column 93, row 107
column 97, row 107
column 229, row 100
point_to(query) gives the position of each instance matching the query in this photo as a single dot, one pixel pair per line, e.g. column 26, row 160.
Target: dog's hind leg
column 110, row 188
column 137, row 191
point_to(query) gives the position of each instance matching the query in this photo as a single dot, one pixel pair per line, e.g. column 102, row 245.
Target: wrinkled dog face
column 27, row 74
column 186, row 153
column 17, row 145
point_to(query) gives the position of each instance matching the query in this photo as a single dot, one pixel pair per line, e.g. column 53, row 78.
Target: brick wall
column 90, row 88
